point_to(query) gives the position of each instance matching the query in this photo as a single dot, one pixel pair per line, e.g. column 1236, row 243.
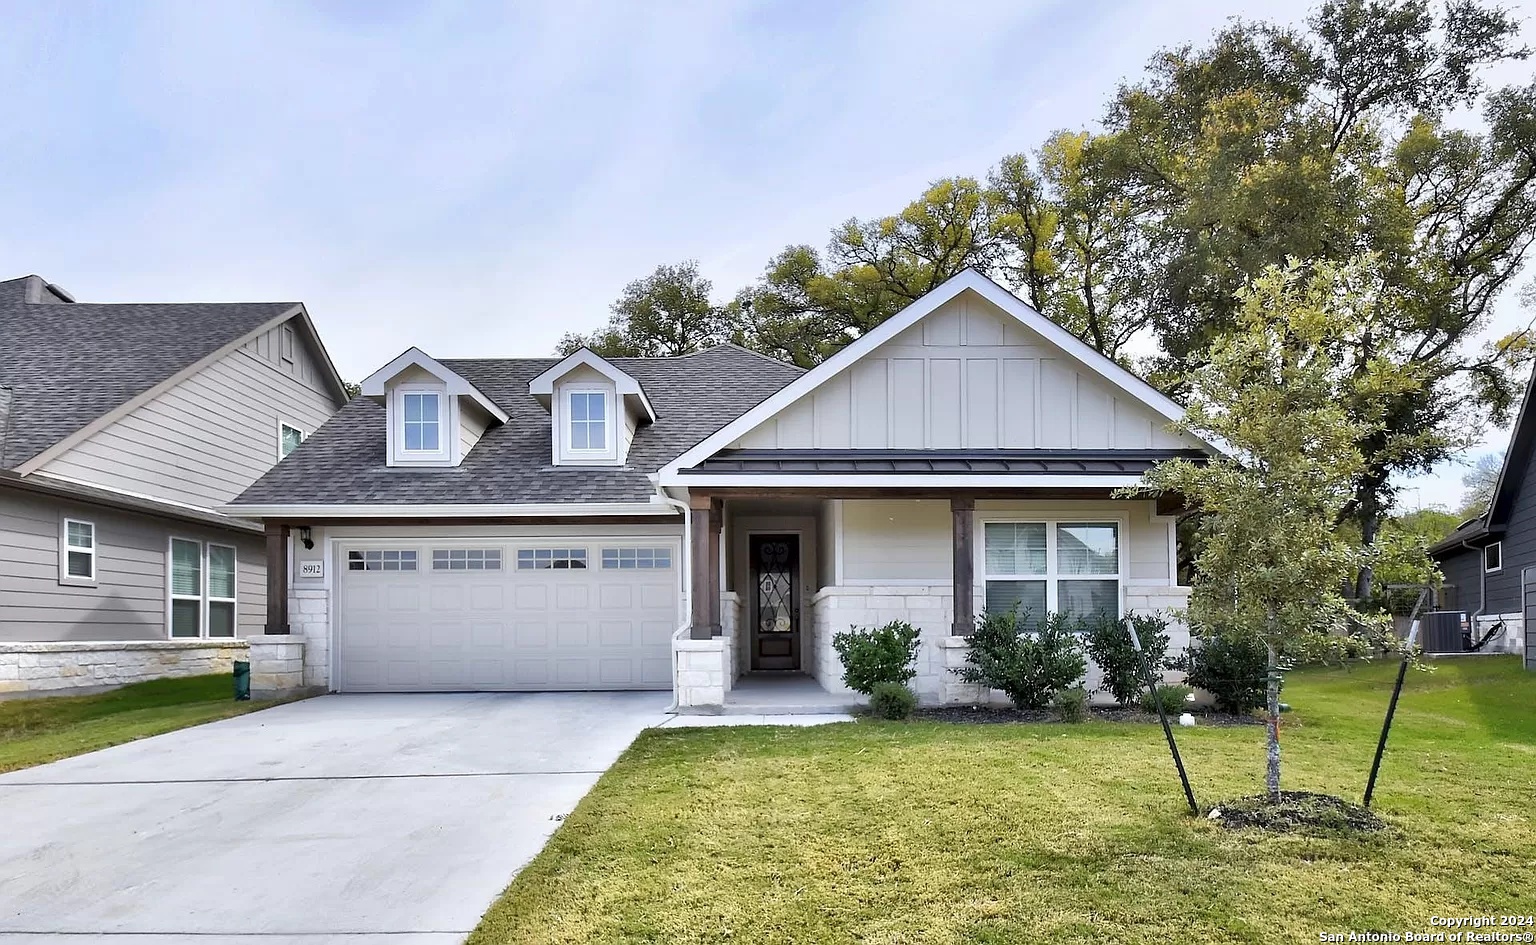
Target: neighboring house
column 1485, row 559
column 674, row 523
column 124, row 430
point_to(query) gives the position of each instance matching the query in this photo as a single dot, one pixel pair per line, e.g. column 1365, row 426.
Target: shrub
column 877, row 655
column 1109, row 645
column 1028, row 667
column 1071, row 705
column 1175, row 699
column 1232, row 667
column 892, row 700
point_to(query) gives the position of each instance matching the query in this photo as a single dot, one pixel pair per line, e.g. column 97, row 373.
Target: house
column 1485, row 560
column 124, row 430
column 676, row 523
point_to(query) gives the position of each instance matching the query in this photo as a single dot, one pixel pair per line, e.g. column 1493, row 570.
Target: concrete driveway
column 347, row 819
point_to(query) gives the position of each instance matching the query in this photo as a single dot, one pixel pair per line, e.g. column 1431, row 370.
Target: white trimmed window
column 551, row 559
column 1493, row 557
column 202, row 585
column 421, row 426
column 382, row 560
column 466, row 559
column 423, row 421
column 637, row 559
column 588, row 426
column 288, row 439
column 1052, row 566
column 77, row 552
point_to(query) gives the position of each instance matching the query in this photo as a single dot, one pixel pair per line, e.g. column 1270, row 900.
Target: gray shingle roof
column 68, row 363
column 694, row 395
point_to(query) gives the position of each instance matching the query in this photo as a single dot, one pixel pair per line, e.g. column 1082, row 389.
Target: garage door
column 504, row 615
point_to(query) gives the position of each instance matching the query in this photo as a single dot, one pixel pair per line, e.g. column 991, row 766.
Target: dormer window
column 419, row 424
column 589, row 421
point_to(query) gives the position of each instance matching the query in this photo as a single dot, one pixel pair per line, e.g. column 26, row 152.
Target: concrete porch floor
column 785, row 694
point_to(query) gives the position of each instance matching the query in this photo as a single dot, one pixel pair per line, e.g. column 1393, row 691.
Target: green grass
column 879, row 832
column 37, row 731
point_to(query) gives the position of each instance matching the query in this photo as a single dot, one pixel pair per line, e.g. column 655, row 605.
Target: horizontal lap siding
column 204, row 440
column 128, row 600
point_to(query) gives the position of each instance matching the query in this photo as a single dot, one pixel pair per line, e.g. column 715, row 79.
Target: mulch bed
column 1296, row 811
column 987, row 715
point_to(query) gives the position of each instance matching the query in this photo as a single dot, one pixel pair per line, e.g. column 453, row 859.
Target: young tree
column 1276, row 393
column 666, row 314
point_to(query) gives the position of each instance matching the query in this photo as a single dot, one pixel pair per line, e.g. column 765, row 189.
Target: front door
column 775, row 604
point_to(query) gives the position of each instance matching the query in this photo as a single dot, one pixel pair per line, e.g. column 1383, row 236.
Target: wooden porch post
column 703, row 548
column 963, row 513
column 277, row 578
column 716, row 522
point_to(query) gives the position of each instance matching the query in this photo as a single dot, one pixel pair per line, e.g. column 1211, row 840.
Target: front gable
column 967, row 372
column 966, row 376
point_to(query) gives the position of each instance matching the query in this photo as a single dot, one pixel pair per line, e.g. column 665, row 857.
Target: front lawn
column 36, row 731
column 930, row 832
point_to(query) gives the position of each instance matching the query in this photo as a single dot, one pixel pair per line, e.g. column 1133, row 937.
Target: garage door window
column 466, row 559
column 386, row 560
column 637, row 559
column 557, row 559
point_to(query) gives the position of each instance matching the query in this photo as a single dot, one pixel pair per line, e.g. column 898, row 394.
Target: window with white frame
column 288, row 439
column 422, row 424
column 202, row 589
column 388, row 559
column 77, row 552
column 637, row 559
column 1042, row 566
column 1493, row 557
column 588, row 421
column 466, row 559
column 556, row 559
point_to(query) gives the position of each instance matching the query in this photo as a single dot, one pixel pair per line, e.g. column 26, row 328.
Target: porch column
column 716, row 522
column 963, row 512
column 277, row 578
column 703, row 567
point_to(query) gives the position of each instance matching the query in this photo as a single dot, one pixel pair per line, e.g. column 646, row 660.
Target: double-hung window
column 1035, row 567
column 588, row 421
column 77, row 552
column 202, row 589
column 288, row 439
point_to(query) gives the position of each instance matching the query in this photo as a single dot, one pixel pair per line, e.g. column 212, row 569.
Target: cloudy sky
column 478, row 178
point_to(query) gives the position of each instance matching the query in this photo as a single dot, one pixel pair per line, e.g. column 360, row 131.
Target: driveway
column 346, row 819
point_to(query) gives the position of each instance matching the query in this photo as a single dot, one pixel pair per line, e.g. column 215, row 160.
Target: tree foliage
column 1282, row 395
column 666, row 314
column 1479, row 482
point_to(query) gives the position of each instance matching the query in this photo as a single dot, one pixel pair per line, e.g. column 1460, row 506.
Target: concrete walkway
column 343, row 819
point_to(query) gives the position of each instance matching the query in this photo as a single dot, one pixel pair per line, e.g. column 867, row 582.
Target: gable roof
column 971, row 280
column 344, row 462
column 1506, row 489
column 71, row 364
column 543, row 386
column 373, row 385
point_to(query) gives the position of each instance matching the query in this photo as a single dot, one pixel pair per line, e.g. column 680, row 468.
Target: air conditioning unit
column 1440, row 631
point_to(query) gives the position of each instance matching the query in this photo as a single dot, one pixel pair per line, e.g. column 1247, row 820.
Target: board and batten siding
column 128, row 601
column 967, row 376
column 203, row 441
column 886, row 540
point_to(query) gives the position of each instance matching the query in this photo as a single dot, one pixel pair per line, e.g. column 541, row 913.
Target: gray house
column 696, row 523
column 1485, row 560
column 124, row 430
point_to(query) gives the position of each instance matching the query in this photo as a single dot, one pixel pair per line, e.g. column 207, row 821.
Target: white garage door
column 505, row 615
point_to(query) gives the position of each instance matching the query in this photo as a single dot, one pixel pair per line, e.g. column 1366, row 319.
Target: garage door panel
column 512, row 629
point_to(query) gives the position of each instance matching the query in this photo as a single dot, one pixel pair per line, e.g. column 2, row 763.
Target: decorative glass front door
column 775, row 601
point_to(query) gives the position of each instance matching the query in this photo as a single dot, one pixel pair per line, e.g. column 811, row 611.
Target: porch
column 783, row 572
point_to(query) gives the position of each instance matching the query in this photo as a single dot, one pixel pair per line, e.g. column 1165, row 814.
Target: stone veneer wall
column 929, row 608
column 81, row 667
column 309, row 621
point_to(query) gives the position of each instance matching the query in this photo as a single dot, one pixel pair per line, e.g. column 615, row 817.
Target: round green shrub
column 1173, row 697
column 892, row 700
column 1071, row 705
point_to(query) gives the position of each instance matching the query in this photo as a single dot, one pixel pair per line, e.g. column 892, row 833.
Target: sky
column 477, row 179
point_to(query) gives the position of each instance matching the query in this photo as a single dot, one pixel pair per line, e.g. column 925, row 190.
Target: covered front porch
column 783, row 571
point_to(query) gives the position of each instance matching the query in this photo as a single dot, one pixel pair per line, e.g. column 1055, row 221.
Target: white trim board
column 905, row 480
column 457, row 384
column 970, row 279
column 532, row 510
